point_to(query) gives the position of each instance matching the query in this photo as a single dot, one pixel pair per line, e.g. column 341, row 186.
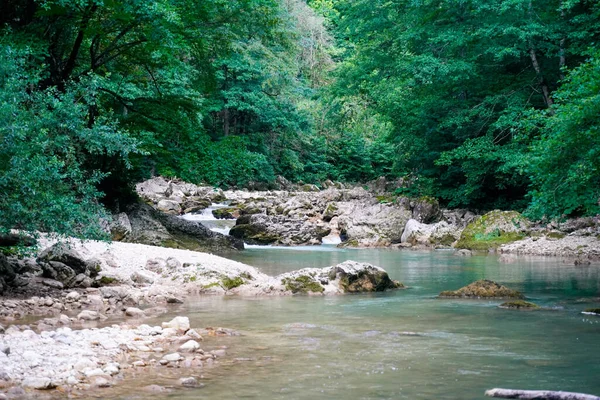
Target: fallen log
column 538, row 395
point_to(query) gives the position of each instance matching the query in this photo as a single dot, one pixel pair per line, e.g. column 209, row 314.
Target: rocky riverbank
column 57, row 309
column 370, row 216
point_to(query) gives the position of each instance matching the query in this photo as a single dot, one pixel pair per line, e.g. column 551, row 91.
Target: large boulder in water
column 439, row 234
column 493, row 230
column 347, row 277
column 484, row 289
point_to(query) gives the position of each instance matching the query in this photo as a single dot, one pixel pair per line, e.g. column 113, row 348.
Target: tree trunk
column 538, row 395
column 541, row 80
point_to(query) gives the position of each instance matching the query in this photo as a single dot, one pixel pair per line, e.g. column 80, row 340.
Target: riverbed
column 405, row 344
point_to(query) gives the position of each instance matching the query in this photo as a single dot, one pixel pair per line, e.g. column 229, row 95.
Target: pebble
column 101, row 382
column 172, row 357
column 134, row 312
column 73, row 296
column 189, row 347
column 189, row 382
column 193, row 334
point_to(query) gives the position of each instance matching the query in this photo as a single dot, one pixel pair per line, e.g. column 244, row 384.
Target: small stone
column 48, row 302
column 174, row 300
column 172, row 357
column 71, row 380
column 143, row 277
column 155, row 388
column 2, row 329
column 189, row 347
column 53, row 283
column 73, row 296
column 139, row 363
column 38, row 383
column 88, row 315
column 218, row 353
column 93, row 372
column 189, row 382
column 101, row 382
column 193, row 334
column 134, row 312
column 179, row 323
column 4, row 349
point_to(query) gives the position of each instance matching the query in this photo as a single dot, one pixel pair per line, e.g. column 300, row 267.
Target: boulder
column 58, row 271
column 120, row 227
column 61, row 253
column 189, row 347
column 426, row 209
column 155, row 228
column 483, row 289
column 143, row 277
column 277, row 229
column 362, row 277
column 493, row 230
column 169, row 207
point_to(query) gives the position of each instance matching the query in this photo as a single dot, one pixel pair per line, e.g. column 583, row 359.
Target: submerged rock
column 483, row 289
column 519, row 305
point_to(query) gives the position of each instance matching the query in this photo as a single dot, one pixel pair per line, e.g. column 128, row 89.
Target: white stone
column 37, row 383
column 73, row 296
column 190, row 346
column 134, row 312
column 172, row 357
column 179, row 323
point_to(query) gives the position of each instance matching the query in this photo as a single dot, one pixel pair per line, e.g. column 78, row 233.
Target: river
column 405, row 344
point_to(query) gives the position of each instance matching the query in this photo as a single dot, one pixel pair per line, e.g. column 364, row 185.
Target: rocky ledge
column 483, row 289
column 74, row 360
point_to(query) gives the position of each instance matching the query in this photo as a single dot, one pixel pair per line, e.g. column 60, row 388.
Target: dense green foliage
column 481, row 104
column 461, row 81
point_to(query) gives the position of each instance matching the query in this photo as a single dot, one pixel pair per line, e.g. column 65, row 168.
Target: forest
column 480, row 104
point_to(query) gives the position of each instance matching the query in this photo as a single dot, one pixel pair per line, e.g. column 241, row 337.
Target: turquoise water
column 405, row 344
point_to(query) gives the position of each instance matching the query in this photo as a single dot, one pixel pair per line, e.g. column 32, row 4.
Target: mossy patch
column 385, row 199
column 107, row 280
column 302, row 284
column 211, row 285
column 555, row 235
column 231, row 283
column 226, row 213
column 492, row 230
column 519, row 305
column 483, row 289
column 253, row 234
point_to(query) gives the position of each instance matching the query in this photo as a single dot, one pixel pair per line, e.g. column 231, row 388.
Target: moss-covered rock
column 302, row 284
column 365, row 278
column 231, row 283
column 493, row 230
column 519, row 305
column 226, row 213
column 483, row 289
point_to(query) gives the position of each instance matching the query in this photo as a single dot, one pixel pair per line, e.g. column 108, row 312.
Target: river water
column 405, row 344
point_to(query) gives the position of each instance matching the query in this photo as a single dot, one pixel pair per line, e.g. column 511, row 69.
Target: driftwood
column 538, row 395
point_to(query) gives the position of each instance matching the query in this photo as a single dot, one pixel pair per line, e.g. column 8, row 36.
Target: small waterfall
column 206, row 218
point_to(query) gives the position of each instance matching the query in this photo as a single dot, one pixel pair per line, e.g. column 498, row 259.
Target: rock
column 172, row 357
column 155, row 228
column 362, row 277
column 88, row 315
column 4, row 349
column 493, row 230
column 189, row 347
column 180, row 323
column 155, row 388
column 2, row 329
column 73, row 296
column 169, row 207
column 278, row 229
column 426, row 210
column 416, row 232
column 120, row 227
column 519, row 304
column 173, row 263
column 61, row 253
column 193, row 334
column 101, row 382
column 134, row 312
column 58, row 271
column 484, row 289
column 156, row 265
column 189, row 382
column 143, row 277
column 174, row 300
column 38, row 383
column 53, row 284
